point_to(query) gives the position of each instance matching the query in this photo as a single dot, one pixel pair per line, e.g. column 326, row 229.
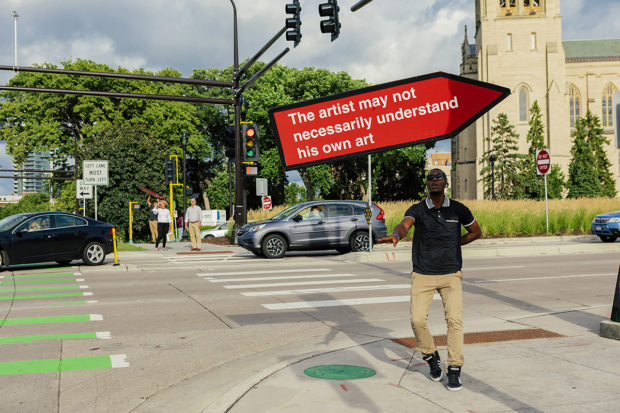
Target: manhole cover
column 339, row 372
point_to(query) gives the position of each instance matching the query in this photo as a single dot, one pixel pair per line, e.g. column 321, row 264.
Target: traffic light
column 294, row 22
column 332, row 24
column 170, row 170
column 249, row 135
column 229, row 142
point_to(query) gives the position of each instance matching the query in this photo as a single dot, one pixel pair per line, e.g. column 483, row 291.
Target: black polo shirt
column 436, row 248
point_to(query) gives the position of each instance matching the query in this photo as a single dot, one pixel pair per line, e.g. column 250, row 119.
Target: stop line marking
column 544, row 278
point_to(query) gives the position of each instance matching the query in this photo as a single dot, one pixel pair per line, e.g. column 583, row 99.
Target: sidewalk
column 577, row 371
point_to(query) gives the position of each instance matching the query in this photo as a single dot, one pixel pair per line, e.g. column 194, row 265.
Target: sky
column 384, row 41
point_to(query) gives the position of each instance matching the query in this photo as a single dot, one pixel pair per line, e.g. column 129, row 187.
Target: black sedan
column 53, row 236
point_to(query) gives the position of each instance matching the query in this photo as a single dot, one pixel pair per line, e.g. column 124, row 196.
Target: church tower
column 518, row 45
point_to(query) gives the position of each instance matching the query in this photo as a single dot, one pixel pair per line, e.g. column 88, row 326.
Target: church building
column 518, row 45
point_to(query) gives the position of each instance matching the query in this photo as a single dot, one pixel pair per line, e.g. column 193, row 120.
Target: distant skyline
column 381, row 42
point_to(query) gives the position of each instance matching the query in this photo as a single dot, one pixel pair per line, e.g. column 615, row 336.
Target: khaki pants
column 153, row 228
column 194, row 233
column 449, row 286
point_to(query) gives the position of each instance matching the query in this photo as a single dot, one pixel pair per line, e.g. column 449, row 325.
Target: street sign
column 266, row 202
column 380, row 118
column 95, row 172
column 368, row 214
column 261, row 186
column 82, row 190
column 543, row 162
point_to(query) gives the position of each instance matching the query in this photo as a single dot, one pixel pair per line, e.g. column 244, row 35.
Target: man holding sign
column 437, row 262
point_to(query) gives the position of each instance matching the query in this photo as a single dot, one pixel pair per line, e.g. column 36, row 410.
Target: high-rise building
column 38, row 161
column 519, row 45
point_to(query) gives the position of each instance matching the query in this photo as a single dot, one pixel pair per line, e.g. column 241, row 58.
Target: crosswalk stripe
column 280, row 277
column 206, row 274
column 327, row 290
column 338, row 303
column 364, row 280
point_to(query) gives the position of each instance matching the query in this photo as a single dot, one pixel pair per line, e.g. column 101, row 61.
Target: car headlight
column 613, row 220
column 256, row 227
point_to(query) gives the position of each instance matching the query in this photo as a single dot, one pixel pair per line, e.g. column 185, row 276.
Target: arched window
column 608, row 107
column 575, row 104
column 524, row 104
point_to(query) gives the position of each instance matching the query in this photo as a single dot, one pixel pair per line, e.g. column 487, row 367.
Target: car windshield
column 284, row 214
column 10, row 222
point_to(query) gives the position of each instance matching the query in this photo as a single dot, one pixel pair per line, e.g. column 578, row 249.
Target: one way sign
column 82, row 190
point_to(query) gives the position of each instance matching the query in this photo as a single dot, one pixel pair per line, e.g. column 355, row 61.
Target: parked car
column 219, row 231
column 607, row 226
column 339, row 225
column 53, row 236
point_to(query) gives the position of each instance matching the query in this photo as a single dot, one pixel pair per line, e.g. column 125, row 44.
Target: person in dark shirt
column 437, row 262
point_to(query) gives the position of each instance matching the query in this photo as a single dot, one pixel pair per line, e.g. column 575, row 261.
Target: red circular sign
column 543, row 161
column 266, row 202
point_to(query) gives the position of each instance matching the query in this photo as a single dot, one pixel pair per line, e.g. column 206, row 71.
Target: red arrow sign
column 543, row 162
column 379, row 118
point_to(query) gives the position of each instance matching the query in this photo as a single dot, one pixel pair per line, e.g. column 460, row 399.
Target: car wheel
column 274, row 246
column 2, row 260
column 209, row 236
column 359, row 241
column 607, row 238
column 343, row 250
column 64, row 262
column 94, row 253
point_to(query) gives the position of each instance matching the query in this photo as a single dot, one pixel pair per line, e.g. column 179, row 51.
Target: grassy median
column 521, row 218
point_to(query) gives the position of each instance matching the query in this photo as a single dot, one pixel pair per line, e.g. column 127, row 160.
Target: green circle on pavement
column 339, row 372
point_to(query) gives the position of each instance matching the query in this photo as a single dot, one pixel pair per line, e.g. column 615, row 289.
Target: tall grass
column 507, row 218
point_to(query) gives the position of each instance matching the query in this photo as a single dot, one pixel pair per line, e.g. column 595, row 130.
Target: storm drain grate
column 486, row 337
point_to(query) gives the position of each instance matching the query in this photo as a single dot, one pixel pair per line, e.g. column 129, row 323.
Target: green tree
column 532, row 184
column 583, row 178
column 603, row 165
column 294, row 194
column 503, row 144
column 129, row 151
column 28, row 203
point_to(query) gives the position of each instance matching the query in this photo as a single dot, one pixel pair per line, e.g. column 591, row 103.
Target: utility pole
column 15, row 17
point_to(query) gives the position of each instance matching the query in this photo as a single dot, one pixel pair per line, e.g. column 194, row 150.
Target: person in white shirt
column 164, row 224
column 193, row 218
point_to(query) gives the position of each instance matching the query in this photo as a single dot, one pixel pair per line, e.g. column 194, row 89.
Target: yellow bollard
column 114, row 243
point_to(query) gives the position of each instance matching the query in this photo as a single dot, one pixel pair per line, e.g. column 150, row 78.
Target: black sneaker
column 454, row 378
column 433, row 362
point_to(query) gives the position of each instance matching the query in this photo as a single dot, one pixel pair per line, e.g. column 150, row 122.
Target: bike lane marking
column 104, row 335
column 66, row 364
column 52, row 319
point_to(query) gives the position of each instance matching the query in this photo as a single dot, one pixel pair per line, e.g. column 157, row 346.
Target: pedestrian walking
column 437, row 263
column 180, row 227
column 164, row 224
column 193, row 218
column 153, row 219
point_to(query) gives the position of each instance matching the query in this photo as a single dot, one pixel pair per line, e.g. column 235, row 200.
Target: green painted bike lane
column 66, row 364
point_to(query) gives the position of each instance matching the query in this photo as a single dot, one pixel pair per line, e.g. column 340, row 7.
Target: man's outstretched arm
column 400, row 232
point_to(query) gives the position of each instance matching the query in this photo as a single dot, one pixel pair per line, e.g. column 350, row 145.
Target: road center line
column 544, row 278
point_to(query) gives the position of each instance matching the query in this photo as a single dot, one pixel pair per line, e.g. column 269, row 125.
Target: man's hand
column 392, row 239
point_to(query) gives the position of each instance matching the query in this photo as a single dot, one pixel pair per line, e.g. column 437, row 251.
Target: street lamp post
column 184, row 139
column 492, row 159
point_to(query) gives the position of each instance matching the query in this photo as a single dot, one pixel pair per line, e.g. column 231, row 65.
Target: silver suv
column 314, row 225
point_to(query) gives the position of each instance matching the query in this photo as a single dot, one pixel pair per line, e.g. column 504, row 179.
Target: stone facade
column 518, row 44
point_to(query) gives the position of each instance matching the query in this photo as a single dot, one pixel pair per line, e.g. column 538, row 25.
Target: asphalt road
column 154, row 337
